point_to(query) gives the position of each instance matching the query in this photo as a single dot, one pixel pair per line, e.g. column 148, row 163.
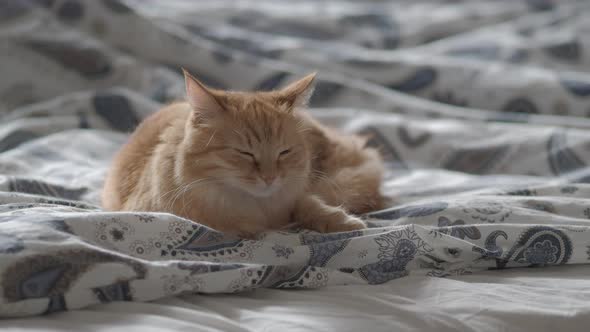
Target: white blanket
column 519, row 300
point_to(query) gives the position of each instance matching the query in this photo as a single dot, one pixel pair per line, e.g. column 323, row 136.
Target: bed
column 479, row 109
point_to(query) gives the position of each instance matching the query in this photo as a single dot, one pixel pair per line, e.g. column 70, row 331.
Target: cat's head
column 253, row 141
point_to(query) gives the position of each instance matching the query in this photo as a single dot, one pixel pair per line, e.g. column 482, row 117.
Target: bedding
column 478, row 107
column 509, row 300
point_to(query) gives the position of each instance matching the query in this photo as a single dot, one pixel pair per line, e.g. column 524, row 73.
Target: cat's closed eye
column 284, row 152
column 245, row 153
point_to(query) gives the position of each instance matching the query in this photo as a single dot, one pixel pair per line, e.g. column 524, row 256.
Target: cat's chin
column 262, row 193
column 256, row 192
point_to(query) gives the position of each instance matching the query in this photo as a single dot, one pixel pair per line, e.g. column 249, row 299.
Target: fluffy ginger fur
column 244, row 163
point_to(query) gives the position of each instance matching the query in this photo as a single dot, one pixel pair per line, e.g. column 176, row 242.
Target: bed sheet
column 510, row 300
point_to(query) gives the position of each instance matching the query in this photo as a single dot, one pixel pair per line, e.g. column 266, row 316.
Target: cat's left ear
column 298, row 93
column 200, row 97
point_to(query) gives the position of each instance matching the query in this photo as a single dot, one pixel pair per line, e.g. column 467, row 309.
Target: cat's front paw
column 344, row 224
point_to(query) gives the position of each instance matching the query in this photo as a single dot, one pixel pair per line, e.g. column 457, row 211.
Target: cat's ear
column 200, row 97
column 298, row 93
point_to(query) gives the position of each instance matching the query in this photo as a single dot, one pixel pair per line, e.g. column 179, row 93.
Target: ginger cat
column 246, row 162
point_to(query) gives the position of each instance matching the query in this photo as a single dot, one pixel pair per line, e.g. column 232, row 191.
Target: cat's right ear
column 200, row 97
column 298, row 93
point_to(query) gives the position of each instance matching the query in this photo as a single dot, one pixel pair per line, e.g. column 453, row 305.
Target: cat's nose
column 268, row 179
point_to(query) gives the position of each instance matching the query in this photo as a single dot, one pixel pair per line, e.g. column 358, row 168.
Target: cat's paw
column 344, row 224
column 247, row 236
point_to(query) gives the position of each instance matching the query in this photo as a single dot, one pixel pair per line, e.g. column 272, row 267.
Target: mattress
column 479, row 109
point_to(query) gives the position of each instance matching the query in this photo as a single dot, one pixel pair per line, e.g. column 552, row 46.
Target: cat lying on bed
column 246, row 162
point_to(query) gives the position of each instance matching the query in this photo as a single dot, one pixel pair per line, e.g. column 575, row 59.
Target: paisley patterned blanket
column 479, row 107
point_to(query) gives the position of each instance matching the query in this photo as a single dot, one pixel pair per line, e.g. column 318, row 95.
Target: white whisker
column 211, row 138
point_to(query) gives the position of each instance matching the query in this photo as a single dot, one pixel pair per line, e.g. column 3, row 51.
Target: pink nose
column 268, row 179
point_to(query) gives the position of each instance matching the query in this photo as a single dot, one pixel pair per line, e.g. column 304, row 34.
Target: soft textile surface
column 477, row 106
column 519, row 300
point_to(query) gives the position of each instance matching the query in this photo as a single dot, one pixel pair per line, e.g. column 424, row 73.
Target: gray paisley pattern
column 486, row 140
column 396, row 250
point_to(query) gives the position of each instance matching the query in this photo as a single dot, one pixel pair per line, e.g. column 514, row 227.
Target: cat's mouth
column 260, row 190
column 264, row 191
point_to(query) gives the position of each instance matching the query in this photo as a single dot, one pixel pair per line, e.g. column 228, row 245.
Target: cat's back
column 133, row 158
column 333, row 149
